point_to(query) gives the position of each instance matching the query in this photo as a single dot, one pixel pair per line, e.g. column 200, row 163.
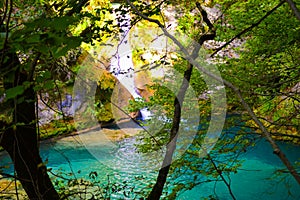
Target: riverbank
column 114, row 131
column 60, row 129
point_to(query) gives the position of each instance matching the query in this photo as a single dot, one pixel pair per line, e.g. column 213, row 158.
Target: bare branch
column 221, row 175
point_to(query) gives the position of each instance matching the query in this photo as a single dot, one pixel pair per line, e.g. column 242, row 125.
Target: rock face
column 49, row 110
column 142, row 81
column 120, row 100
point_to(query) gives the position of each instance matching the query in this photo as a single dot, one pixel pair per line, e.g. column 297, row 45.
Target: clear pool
column 124, row 163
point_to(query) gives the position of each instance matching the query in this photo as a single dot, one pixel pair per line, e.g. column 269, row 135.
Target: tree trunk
column 157, row 190
column 20, row 138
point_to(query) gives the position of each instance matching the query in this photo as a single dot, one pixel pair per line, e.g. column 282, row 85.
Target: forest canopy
column 204, row 81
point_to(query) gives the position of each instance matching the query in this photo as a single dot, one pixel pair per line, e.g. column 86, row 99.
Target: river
column 124, row 165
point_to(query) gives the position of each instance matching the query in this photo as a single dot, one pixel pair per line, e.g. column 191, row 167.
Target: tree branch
column 163, row 172
column 6, row 30
column 7, row 24
column 247, row 29
column 236, row 90
column 5, row 13
column 294, row 8
column 221, row 175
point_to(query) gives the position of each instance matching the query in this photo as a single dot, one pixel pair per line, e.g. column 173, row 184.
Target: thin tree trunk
column 157, row 190
column 265, row 133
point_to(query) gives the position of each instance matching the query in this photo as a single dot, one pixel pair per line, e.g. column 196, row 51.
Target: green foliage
column 57, row 128
column 267, row 68
column 14, row 92
column 105, row 86
column 91, row 187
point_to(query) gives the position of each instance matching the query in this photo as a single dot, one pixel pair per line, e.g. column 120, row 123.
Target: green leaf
column 20, row 100
column 49, row 84
column 13, row 92
column 33, row 39
column 70, row 43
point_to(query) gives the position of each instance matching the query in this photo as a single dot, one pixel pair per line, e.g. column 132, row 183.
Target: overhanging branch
column 236, row 90
column 294, row 8
column 247, row 29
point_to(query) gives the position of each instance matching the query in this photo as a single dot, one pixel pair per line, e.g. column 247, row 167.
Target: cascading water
column 122, row 66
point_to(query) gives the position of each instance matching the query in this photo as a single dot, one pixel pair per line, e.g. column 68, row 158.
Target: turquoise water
column 252, row 181
column 255, row 179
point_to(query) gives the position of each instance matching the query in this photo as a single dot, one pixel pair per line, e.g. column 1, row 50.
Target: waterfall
column 122, row 65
